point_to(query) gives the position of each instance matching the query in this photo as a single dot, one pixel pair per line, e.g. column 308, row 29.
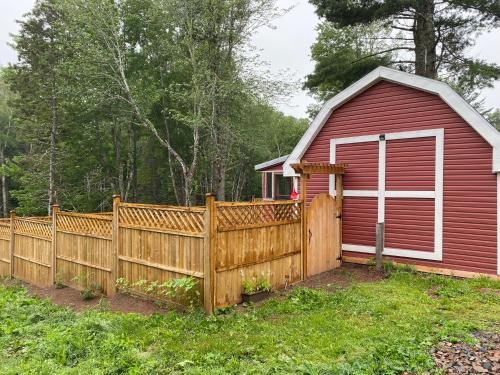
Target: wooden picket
column 5, row 248
column 253, row 240
column 159, row 243
column 83, row 250
column 31, row 250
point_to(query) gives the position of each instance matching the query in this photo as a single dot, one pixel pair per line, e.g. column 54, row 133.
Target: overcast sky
column 285, row 48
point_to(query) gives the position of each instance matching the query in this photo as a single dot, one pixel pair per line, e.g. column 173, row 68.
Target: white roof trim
column 445, row 92
column 270, row 163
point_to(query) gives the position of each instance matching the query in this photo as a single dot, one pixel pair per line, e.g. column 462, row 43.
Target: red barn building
column 420, row 159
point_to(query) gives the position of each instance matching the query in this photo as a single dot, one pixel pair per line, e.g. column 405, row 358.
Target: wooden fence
column 5, row 234
column 220, row 245
column 253, row 240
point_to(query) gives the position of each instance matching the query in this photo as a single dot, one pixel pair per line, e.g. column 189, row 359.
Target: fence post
column 114, row 244
column 305, row 234
column 12, row 240
column 339, row 202
column 209, row 255
column 379, row 248
column 55, row 210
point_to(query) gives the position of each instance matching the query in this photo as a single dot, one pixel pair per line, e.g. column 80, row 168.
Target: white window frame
column 381, row 193
column 266, row 198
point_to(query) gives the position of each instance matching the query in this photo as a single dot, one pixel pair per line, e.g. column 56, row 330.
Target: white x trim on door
column 381, row 193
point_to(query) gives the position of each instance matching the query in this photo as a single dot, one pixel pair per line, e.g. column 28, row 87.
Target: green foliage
column 256, row 283
column 183, row 290
column 190, row 75
column 494, row 119
column 343, row 55
column 387, row 327
column 60, row 280
column 429, row 38
column 88, row 289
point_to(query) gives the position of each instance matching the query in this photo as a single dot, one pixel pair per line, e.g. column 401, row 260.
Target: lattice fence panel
column 89, row 224
column 237, row 216
column 188, row 220
column 5, row 230
column 35, row 228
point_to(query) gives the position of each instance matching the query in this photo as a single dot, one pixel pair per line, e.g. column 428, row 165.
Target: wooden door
column 323, row 235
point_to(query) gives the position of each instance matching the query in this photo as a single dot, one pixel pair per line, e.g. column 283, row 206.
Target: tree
column 428, row 37
column 155, row 100
column 195, row 82
column 7, row 141
column 37, row 80
column 335, row 50
column 494, row 118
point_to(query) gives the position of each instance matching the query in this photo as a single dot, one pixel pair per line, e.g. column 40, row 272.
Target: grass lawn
column 383, row 327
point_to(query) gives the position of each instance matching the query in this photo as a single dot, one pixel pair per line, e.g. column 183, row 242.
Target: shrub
column 255, row 284
column 183, row 291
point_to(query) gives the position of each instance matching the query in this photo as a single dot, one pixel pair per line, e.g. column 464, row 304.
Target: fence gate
column 323, row 235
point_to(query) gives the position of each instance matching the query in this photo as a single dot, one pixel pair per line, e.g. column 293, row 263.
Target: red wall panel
column 410, row 164
column 363, row 165
column 359, row 219
column 409, row 224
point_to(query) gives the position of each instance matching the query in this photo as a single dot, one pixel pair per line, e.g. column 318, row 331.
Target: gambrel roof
column 444, row 91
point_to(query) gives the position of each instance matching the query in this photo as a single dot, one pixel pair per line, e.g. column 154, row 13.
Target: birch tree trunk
column 5, row 203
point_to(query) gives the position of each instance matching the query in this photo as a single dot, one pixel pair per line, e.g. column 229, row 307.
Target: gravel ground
column 462, row 358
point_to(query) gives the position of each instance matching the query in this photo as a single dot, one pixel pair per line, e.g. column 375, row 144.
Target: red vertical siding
column 470, row 191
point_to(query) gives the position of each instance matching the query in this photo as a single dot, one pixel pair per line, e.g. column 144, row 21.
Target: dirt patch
column 462, row 358
column 69, row 297
column 490, row 291
column 432, row 292
column 343, row 277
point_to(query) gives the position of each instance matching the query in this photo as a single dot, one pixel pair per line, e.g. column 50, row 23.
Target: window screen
column 283, row 187
column 269, row 185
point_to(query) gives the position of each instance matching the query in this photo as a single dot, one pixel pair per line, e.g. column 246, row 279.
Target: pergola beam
column 306, row 168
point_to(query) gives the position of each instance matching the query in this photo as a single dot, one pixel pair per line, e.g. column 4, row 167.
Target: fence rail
column 220, row 245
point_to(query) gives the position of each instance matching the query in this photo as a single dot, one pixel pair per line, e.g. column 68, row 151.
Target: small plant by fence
column 219, row 245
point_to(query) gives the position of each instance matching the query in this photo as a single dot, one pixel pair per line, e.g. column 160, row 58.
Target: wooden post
column 55, row 211
column 209, row 254
column 379, row 248
column 339, row 199
column 305, row 239
column 114, row 244
column 12, row 241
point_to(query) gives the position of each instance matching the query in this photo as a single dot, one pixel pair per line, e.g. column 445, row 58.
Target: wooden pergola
column 305, row 170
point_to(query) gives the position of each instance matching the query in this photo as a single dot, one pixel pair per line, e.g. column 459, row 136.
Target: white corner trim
column 438, row 198
column 445, row 92
column 381, row 193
